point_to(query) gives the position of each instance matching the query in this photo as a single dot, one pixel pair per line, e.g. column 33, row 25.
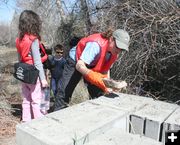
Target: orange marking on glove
column 96, row 79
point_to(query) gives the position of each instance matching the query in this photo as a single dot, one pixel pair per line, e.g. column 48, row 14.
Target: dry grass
column 8, row 124
column 9, row 95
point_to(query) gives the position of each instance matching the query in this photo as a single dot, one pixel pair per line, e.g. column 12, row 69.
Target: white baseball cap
column 122, row 39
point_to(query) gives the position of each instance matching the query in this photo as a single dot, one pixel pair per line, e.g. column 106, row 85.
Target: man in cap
column 91, row 59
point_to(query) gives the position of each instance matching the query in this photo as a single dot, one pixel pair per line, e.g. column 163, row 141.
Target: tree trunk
column 61, row 11
column 86, row 16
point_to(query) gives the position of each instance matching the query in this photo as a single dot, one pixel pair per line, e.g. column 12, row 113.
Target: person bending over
column 91, row 59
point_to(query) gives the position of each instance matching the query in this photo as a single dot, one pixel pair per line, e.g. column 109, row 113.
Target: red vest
column 23, row 47
column 102, row 65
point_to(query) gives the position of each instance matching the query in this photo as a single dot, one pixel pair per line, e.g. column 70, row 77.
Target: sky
column 7, row 11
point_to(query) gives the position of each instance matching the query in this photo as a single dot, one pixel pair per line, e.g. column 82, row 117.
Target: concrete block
column 172, row 122
column 153, row 129
column 79, row 123
column 116, row 137
column 136, row 124
column 102, row 121
column 151, row 117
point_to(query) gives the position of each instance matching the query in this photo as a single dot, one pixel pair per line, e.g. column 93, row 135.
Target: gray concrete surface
column 149, row 120
column 172, row 122
column 116, row 137
column 73, row 124
column 130, row 103
column 102, row 121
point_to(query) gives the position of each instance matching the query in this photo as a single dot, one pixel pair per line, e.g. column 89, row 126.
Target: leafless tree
column 14, row 28
column 86, row 16
column 5, row 34
column 49, row 13
column 151, row 67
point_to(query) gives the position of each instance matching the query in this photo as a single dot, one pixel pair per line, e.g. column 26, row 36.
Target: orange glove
column 96, row 79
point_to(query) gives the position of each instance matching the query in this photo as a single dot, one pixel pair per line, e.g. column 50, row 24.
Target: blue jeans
column 55, row 85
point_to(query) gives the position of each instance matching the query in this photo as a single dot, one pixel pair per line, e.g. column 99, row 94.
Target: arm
column 81, row 67
column 37, row 62
column 19, row 57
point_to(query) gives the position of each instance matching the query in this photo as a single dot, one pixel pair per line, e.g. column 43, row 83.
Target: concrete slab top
column 102, row 121
column 116, row 137
column 73, row 123
column 156, row 110
column 126, row 102
column 174, row 118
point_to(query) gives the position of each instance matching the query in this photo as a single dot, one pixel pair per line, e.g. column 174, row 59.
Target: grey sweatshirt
column 37, row 58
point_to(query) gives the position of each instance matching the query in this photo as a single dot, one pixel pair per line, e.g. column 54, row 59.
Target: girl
column 28, row 48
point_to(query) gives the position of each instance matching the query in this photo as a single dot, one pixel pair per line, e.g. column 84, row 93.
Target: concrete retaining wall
column 121, row 119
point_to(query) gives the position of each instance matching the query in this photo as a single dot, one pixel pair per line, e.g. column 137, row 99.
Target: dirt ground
column 10, row 114
column 10, row 100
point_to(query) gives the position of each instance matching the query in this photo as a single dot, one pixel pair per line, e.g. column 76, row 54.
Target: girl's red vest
column 102, row 65
column 23, row 47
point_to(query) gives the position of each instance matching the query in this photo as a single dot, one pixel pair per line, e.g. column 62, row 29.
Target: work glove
column 96, row 79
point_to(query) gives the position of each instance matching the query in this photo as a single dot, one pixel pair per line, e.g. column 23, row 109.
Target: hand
column 96, row 79
column 122, row 84
column 44, row 83
column 114, row 85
